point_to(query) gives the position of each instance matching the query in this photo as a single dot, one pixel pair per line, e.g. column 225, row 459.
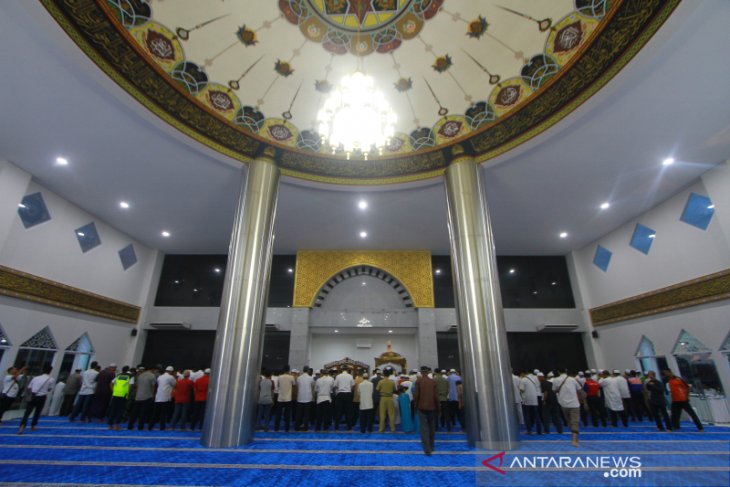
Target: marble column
column 299, row 338
column 231, row 408
column 488, row 392
column 427, row 349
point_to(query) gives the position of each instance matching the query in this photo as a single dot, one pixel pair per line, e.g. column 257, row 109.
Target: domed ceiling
column 464, row 77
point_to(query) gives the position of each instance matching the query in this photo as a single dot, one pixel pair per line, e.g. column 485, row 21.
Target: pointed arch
column 43, row 340
column 645, row 348
column 360, row 271
column 4, row 339
column 81, row 345
column 687, row 344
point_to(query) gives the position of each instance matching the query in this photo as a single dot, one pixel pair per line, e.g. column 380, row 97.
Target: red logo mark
column 488, row 463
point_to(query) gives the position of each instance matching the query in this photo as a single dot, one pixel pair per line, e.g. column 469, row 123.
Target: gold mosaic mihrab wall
column 412, row 268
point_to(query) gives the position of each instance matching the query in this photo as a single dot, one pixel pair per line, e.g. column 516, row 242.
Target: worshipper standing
column 612, row 397
column 86, row 393
column 200, row 388
column 103, row 393
column 407, row 422
column 453, row 399
column 143, row 399
column 427, row 403
column 657, row 401
column 679, row 390
column 386, row 389
column 517, row 397
column 10, row 388
column 366, row 404
column 54, row 407
column 377, row 377
column 266, row 401
column 183, row 395
column 528, row 390
column 567, row 389
column 581, row 378
column 39, row 388
column 284, row 405
column 442, row 388
column 550, row 406
column 534, row 379
column 357, row 377
column 344, row 384
column 323, row 389
column 593, row 400
column 73, row 385
column 120, row 395
column 636, row 388
column 305, row 388
column 623, row 385
column 163, row 398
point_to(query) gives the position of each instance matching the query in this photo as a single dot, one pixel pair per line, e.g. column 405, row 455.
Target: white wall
column 328, row 348
column 679, row 253
column 51, row 250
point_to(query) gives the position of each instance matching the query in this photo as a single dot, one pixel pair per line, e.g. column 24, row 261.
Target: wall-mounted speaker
column 594, row 334
column 134, row 332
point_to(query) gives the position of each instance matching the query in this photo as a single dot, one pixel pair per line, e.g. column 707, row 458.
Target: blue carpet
column 82, row 454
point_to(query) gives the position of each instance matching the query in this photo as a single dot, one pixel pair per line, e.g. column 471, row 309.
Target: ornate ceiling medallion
column 359, row 26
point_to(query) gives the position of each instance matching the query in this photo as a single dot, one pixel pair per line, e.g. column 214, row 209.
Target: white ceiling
column 671, row 100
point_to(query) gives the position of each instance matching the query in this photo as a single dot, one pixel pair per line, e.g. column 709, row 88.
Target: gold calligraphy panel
column 412, row 268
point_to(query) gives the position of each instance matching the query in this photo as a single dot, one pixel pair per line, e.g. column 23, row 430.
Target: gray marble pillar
column 427, row 350
column 488, row 391
column 232, row 397
column 299, row 338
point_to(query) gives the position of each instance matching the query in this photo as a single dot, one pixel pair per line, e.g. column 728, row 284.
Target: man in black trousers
column 427, row 403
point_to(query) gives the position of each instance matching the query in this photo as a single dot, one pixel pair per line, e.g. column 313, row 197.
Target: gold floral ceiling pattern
column 480, row 77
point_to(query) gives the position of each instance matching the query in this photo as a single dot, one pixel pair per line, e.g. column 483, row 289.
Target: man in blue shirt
column 454, row 410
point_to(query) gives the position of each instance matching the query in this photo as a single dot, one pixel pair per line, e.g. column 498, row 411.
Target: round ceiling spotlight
column 668, row 161
column 61, row 161
column 563, row 234
column 124, row 205
column 362, row 204
column 165, row 233
column 605, row 206
column 363, row 234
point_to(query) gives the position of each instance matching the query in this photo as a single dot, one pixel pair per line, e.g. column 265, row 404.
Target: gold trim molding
column 705, row 289
column 29, row 287
column 412, row 268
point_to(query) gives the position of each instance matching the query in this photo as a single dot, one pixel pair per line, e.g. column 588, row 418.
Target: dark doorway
column 193, row 349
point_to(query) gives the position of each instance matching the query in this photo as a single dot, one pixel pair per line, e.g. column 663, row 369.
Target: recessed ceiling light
column 438, row 271
column 362, row 204
column 390, row 331
column 563, row 234
column 363, row 234
column 217, row 270
column 364, row 284
column 512, row 271
column 290, row 270
column 81, row 234
column 165, row 233
column 668, row 161
column 337, row 331
column 177, row 282
column 61, row 161
column 534, row 292
column 124, row 205
column 554, row 283
column 605, row 206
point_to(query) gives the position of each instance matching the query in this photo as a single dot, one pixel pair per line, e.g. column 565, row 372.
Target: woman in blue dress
column 404, row 401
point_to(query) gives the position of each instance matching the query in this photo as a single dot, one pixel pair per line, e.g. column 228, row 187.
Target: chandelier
column 356, row 117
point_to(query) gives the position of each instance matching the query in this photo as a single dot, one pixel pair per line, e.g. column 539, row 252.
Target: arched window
column 648, row 359
column 76, row 356
column 38, row 350
column 696, row 365
column 4, row 342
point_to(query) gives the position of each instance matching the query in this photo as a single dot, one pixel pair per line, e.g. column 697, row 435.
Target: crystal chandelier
column 356, row 116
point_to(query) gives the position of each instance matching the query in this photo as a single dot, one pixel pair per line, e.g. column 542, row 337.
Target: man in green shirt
column 386, row 388
column 442, row 389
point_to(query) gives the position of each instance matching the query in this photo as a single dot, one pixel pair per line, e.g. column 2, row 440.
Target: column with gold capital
column 488, row 392
column 231, row 406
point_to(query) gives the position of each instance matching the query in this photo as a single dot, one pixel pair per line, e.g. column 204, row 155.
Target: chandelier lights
column 356, row 117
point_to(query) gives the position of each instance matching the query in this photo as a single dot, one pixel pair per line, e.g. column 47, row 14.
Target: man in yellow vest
column 120, row 392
